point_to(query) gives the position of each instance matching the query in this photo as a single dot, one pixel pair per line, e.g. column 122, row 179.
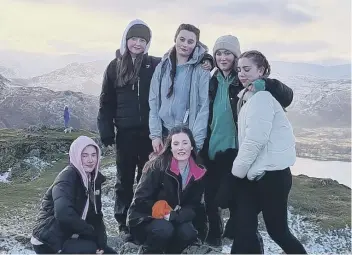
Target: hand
column 157, row 144
column 257, row 85
column 206, row 65
column 99, row 251
column 160, row 209
column 167, row 217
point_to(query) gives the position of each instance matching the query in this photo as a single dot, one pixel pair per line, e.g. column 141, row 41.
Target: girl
column 262, row 166
column 179, row 89
column 70, row 219
column 220, row 147
column 124, row 107
column 171, row 187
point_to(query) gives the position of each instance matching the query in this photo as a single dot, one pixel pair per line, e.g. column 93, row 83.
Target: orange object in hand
column 160, row 209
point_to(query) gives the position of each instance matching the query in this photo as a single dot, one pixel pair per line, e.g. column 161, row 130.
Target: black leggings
column 268, row 195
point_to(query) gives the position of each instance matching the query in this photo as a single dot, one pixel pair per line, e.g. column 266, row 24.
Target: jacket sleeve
column 258, row 124
column 155, row 125
column 143, row 199
column 201, row 123
column 282, row 93
column 107, row 106
column 187, row 211
column 64, row 210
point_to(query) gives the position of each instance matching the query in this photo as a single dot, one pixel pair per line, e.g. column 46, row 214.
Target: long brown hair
column 163, row 160
column 127, row 71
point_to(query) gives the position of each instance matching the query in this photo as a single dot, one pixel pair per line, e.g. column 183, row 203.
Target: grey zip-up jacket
column 198, row 101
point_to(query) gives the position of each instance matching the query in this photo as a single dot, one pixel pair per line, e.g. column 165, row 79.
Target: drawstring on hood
column 75, row 152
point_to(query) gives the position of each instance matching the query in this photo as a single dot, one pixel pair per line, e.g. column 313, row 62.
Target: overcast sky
column 296, row 30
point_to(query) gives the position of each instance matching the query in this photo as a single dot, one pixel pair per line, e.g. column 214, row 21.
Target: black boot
column 214, row 241
column 146, row 250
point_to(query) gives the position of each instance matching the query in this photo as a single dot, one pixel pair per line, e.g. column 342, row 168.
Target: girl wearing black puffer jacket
column 70, row 219
column 166, row 199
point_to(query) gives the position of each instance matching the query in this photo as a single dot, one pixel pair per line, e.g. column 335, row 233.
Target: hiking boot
column 145, row 250
column 123, row 229
column 214, row 241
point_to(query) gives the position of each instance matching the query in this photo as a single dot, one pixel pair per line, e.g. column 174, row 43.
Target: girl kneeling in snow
column 70, row 219
column 171, row 187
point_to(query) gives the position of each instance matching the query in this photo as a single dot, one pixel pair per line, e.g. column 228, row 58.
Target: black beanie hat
column 139, row 30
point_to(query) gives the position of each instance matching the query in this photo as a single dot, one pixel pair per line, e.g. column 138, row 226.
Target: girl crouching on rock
column 171, row 187
column 70, row 219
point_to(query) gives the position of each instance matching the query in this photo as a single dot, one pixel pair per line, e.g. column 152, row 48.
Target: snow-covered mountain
column 78, row 77
column 319, row 101
column 288, row 69
column 24, row 106
column 9, row 72
column 32, row 64
column 321, row 93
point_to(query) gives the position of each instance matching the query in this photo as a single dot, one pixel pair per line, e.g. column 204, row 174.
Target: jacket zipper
column 139, row 104
column 178, row 188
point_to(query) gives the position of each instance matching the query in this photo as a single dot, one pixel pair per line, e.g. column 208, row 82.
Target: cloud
column 256, row 10
column 283, row 28
column 275, row 10
column 293, row 47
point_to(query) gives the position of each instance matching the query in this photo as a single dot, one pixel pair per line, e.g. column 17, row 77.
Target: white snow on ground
column 11, row 246
column 37, row 163
column 312, row 237
column 4, row 178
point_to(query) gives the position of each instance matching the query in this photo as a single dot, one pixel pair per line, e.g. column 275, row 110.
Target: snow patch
column 4, row 178
column 314, row 239
column 37, row 163
column 11, row 246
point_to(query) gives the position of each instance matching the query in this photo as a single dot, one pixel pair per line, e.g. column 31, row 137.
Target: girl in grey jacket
column 179, row 89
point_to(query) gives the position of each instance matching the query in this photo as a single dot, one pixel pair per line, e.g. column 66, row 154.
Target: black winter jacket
column 61, row 210
column 282, row 93
column 162, row 183
column 125, row 107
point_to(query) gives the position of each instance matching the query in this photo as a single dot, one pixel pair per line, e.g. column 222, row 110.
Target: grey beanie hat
column 228, row 42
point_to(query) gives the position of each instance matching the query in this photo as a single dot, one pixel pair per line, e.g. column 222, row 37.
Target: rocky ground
column 319, row 213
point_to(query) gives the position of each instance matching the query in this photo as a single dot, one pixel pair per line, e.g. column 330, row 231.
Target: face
column 181, row 146
column 89, row 158
column 224, row 60
column 136, row 45
column 185, row 43
column 248, row 71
